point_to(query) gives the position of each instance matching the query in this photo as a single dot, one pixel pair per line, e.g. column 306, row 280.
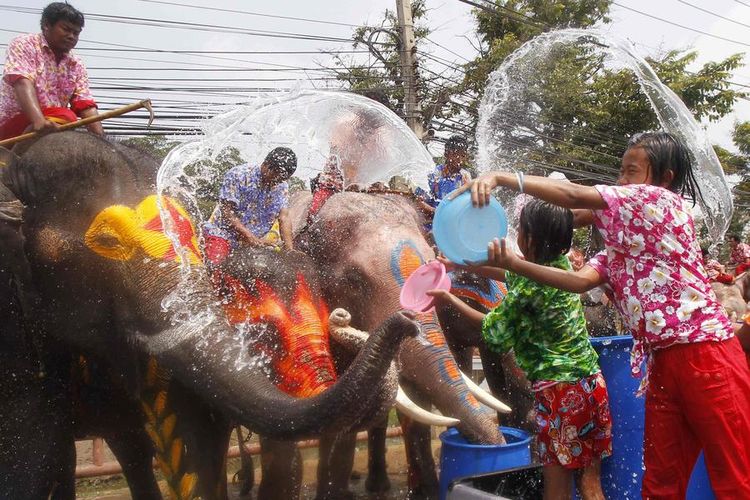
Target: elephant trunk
column 209, row 357
column 427, row 362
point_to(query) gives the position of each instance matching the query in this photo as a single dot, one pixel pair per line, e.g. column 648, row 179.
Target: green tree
column 382, row 80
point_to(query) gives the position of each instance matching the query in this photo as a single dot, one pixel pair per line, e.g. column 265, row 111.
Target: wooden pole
column 86, row 121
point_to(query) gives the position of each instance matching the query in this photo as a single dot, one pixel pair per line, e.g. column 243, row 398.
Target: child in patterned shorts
column 546, row 329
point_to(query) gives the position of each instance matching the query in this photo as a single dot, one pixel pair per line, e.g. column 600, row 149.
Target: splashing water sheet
column 513, row 91
column 364, row 139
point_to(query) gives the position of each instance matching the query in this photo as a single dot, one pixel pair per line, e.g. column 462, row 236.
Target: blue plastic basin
column 459, row 458
column 622, row 473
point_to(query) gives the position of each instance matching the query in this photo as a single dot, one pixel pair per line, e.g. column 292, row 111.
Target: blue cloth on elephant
column 257, row 206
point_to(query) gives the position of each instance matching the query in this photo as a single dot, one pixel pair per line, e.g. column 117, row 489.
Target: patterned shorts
column 574, row 422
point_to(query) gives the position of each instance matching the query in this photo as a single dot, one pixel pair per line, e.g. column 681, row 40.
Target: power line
column 714, row 14
column 216, row 9
column 142, row 21
column 509, row 14
column 680, row 25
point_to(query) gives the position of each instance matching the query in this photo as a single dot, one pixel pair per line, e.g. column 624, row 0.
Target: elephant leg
column 335, row 463
column 134, row 452
column 377, row 470
column 422, row 478
column 510, row 385
column 246, row 474
column 281, row 470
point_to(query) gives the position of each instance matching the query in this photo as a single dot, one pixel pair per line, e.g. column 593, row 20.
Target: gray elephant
column 108, row 284
column 365, row 246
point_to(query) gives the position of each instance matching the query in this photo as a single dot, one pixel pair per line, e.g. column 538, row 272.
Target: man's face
column 271, row 176
column 62, row 36
column 455, row 157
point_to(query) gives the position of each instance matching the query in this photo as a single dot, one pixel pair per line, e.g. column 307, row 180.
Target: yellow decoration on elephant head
column 118, row 232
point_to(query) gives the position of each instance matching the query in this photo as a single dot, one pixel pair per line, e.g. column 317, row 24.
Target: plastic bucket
column 459, row 458
column 622, row 473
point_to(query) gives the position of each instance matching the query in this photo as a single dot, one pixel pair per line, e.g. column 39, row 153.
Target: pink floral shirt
column 740, row 253
column 57, row 85
column 654, row 264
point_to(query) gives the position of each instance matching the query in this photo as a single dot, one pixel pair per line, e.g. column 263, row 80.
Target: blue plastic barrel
column 459, row 458
column 622, row 473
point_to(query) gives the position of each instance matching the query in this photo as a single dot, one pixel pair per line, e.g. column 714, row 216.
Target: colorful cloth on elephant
column 655, row 267
column 574, row 422
column 257, row 206
column 545, row 327
column 64, row 84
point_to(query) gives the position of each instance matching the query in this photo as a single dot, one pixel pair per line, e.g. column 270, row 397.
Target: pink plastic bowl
column 426, row 277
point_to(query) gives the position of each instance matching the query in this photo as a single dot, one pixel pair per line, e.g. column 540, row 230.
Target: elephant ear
column 8, row 189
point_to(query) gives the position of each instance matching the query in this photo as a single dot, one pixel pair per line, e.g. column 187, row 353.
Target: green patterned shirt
column 545, row 327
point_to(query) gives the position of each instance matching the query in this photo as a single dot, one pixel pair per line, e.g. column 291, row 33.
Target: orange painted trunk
column 302, row 364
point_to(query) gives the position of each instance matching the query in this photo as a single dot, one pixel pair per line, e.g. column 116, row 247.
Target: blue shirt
column 257, row 206
column 441, row 186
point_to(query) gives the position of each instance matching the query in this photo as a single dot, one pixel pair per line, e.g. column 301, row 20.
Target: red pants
column 320, row 196
column 17, row 124
column 742, row 268
column 727, row 279
column 698, row 397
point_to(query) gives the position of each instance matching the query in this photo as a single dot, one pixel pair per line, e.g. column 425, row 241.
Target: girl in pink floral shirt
column 698, row 391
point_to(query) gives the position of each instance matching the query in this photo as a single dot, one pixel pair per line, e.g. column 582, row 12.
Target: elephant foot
column 424, row 492
column 338, row 495
column 377, row 482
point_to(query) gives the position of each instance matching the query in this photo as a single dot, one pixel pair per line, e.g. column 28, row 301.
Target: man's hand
column 498, row 255
column 44, row 126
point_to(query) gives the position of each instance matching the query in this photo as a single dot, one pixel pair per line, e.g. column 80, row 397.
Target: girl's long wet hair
column 549, row 227
column 665, row 152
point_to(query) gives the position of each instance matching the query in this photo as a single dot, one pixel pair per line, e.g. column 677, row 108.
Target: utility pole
column 407, row 49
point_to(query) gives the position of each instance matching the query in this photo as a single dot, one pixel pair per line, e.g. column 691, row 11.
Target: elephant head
column 366, row 246
column 111, row 284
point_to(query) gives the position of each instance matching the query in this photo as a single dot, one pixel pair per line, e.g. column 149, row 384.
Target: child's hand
column 449, row 264
column 499, row 255
column 481, row 189
column 442, row 296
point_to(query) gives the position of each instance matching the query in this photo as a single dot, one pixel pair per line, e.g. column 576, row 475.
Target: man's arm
column 491, row 272
column 285, row 228
column 236, row 225
column 27, row 100
column 96, row 127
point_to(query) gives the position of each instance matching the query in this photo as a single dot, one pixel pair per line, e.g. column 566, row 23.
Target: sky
column 124, row 67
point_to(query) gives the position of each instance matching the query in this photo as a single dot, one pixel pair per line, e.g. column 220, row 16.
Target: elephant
column 276, row 297
column 734, row 297
column 365, row 245
column 109, row 284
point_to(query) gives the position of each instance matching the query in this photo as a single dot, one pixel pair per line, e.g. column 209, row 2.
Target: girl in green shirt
column 546, row 329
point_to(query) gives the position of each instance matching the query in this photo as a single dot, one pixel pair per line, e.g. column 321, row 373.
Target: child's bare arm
column 474, row 317
column 491, row 272
column 579, row 281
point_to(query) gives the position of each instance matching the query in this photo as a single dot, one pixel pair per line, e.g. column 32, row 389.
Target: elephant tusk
column 410, row 409
column 484, row 396
column 340, row 331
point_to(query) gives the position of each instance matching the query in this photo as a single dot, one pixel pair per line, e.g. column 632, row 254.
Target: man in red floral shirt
column 43, row 83
column 740, row 256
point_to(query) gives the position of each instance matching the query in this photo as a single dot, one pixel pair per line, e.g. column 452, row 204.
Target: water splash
column 365, row 140
column 510, row 94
